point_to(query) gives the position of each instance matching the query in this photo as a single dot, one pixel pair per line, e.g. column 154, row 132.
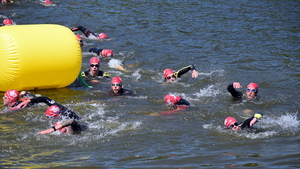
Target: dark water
column 244, row 41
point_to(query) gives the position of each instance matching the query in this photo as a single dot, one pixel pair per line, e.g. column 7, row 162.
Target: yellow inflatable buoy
column 38, row 57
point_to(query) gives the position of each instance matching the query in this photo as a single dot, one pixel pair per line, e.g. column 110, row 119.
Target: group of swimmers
column 68, row 119
column 169, row 76
column 14, row 101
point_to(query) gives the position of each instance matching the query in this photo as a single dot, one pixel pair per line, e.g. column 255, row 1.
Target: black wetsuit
column 26, row 96
column 86, row 74
column 64, row 111
column 183, row 70
column 246, row 124
column 183, row 102
column 237, row 94
column 120, row 92
column 85, row 31
column 88, row 77
column 96, row 50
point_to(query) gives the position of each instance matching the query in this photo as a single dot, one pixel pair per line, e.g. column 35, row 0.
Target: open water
column 233, row 40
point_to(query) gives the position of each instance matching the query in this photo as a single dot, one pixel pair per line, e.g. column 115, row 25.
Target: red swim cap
column 116, row 80
column 102, row 36
column 107, row 53
column 7, row 22
column 229, row 121
column 78, row 37
column 170, row 99
column 168, row 72
column 52, row 111
column 48, row 2
column 12, row 95
column 94, row 60
column 254, row 85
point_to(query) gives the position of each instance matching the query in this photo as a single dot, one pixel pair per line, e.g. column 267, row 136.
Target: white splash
column 209, row 91
column 114, row 63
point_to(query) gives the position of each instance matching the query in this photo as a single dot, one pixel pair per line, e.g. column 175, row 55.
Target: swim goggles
column 251, row 90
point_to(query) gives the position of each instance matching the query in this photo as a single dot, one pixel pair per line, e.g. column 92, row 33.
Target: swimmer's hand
column 253, row 121
column 119, row 67
column 46, row 131
column 236, row 85
column 23, row 104
column 194, row 74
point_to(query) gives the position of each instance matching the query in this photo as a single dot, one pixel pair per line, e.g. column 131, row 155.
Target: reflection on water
column 243, row 41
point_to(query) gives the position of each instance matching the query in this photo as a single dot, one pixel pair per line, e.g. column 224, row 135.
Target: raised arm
column 57, row 127
column 234, row 93
column 184, row 70
column 96, row 50
column 46, row 100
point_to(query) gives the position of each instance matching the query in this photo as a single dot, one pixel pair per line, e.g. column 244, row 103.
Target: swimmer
column 177, row 102
column 11, row 100
column 102, row 53
column 251, row 91
column 89, row 34
column 231, row 123
column 170, row 76
column 117, row 89
column 93, row 73
column 65, row 127
column 108, row 54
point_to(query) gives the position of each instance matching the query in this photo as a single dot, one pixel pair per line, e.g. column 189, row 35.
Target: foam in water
column 137, row 74
column 114, row 63
column 209, row 91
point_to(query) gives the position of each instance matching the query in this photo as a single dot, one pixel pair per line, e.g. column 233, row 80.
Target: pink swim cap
column 7, row 22
column 48, row 2
column 78, row 37
column 168, row 72
column 52, row 111
column 102, row 36
column 12, row 95
column 107, row 53
column 116, row 80
column 170, row 99
column 254, row 85
column 229, row 121
column 94, row 60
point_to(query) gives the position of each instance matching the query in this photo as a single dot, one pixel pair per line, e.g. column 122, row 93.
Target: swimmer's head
column 52, row 111
column 116, row 84
column 229, row 121
column 47, row 2
column 11, row 95
column 252, row 90
column 78, row 37
column 171, row 99
column 102, row 36
column 107, row 53
column 79, row 40
column 7, row 22
column 64, row 130
column 169, row 75
column 253, row 86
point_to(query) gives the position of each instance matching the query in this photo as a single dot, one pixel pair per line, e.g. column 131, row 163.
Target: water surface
column 244, row 41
